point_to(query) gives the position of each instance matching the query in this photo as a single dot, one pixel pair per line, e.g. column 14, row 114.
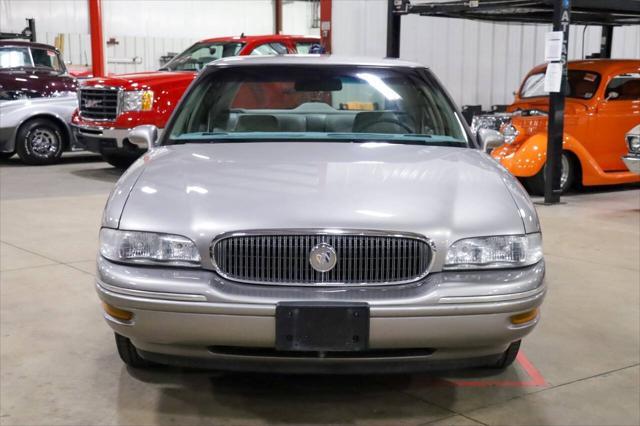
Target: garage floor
column 59, row 365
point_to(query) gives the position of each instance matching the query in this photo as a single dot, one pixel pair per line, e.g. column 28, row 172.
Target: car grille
column 282, row 258
column 99, row 103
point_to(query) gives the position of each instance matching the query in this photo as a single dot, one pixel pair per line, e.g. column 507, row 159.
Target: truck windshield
column 582, row 85
column 21, row 57
column 305, row 102
column 200, row 54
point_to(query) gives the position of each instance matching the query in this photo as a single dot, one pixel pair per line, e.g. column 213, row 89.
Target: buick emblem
column 323, row 257
column 92, row 103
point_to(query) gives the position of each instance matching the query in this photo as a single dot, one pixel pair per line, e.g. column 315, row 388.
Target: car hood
column 32, row 83
column 202, row 190
column 143, row 80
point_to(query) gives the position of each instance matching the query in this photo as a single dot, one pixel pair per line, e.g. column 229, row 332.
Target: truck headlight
column 138, row 100
column 510, row 132
column 505, row 251
column 148, row 247
column 633, row 141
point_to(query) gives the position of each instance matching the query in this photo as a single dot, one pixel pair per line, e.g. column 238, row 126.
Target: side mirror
column 145, row 136
column 612, row 95
column 490, row 139
column 213, row 50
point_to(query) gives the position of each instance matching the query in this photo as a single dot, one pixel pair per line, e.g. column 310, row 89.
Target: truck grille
column 283, row 257
column 100, row 103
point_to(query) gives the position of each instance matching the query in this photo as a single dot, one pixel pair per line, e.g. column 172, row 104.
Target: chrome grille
column 99, row 103
column 282, row 258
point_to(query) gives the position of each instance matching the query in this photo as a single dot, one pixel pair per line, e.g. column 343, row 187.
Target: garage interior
column 581, row 366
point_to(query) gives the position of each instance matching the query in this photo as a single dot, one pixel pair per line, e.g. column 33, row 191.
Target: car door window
column 270, row 49
column 624, row 87
column 45, row 58
column 303, row 47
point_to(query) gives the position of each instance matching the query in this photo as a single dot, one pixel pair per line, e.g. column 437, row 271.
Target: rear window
column 582, row 85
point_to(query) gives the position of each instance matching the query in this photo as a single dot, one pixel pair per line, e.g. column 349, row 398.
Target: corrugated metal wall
column 479, row 62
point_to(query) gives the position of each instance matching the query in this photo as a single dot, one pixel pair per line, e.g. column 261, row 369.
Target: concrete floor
column 59, row 364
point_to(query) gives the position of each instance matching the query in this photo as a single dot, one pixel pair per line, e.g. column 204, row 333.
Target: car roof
column 23, row 43
column 601, row 66
column 264, row 38
column 315, row 60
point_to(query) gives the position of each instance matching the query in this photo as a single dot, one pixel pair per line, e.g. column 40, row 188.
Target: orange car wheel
column 568, row 171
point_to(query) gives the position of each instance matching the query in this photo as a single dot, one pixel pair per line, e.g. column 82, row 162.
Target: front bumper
column 446, row 320
column 106, row 139
column 633, row 163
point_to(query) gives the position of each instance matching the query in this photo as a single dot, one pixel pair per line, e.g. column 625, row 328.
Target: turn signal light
column 147, row 100
column 525, row 317
column 117, row 313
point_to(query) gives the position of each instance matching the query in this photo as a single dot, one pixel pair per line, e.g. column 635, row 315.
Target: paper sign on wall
column 553, row 77
column 553, row 46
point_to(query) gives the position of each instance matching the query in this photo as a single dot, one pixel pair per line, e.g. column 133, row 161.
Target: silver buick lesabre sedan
column 315, row 214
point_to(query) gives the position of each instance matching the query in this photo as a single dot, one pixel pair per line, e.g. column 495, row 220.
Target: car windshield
column 251, row 103
column 582, row 85
column 22, row 57
column 200, row 54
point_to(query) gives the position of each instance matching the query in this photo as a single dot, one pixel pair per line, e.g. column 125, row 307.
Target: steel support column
column 32, row 29
column 606, row 41
column 393, row 31
column 561, row 22
column 97, row 39
column 277, row 18
column 325, row 25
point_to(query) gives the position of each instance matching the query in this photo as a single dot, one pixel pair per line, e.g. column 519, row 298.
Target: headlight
column 139, row 100
column 510, row 132
column 147, row 247
column 633, row 141
column 495, row 252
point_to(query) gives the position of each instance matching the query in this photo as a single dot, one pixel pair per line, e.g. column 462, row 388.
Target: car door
column 617, row 112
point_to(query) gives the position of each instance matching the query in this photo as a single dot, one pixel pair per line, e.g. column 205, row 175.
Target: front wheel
column 129, row 355
column 508, row 357
column 40, row 142
column 120, row 160
column 535, row 184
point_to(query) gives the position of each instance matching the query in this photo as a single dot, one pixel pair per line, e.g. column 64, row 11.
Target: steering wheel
column 391, row 121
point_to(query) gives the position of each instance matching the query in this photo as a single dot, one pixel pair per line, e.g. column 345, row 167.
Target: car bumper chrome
column 98, row 139
column 632, row 163
column 185, row 317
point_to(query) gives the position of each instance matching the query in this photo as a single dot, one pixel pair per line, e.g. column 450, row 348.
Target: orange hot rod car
column 602, row 105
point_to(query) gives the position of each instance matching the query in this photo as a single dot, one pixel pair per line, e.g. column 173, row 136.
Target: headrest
column 257, row 123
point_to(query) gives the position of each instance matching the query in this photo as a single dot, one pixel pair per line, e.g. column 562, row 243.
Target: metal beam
column 97, row 39
column 277, row 19
column 586, row 12
column 552, row 170
column 393, row 31
column 325, row 25
column 606, row 41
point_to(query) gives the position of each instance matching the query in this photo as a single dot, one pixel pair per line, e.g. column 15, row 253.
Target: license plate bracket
column 322, row 326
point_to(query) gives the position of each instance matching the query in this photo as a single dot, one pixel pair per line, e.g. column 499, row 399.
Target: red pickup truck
column 111, row 106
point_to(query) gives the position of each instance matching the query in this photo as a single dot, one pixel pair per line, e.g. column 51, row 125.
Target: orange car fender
column 528, row 158
column 524, row 159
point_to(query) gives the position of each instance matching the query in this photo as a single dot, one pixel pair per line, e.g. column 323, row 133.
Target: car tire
column 508, row 357
column 129, row 354
column 6, row 155
column 535, row 184
column 120, row 160
column 40, row 142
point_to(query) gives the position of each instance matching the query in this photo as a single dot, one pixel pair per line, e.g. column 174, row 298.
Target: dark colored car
column 32, row 70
